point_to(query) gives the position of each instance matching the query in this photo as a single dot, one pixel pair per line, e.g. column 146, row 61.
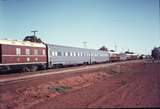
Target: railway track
column 11, row 80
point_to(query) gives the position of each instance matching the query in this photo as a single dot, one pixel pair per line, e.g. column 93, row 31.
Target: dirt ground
column 120, row 85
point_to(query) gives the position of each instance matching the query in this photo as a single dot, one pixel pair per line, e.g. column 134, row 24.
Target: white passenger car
column 64, row 55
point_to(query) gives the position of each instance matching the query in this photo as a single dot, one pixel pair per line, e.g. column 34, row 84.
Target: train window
column 44, row 52
column 66, row 54
column 78, row 54
column 71, row 53
column 27, row 51
column 18, row 51
column 74, row 54
column 28, row 59
column 55, row 53
column 81, row 54
column 52, row 53
column 35, row 52
column 36, row 59
column 59, row 54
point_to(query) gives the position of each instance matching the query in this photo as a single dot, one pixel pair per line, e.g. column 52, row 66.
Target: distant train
column 115, row 56
column 29, row 56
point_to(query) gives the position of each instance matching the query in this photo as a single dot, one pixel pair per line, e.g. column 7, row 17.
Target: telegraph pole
column 34, row 32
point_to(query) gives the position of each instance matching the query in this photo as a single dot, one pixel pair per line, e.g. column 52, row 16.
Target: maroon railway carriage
column 24, row 55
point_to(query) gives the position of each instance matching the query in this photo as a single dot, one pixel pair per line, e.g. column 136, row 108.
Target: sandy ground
column 121, row 85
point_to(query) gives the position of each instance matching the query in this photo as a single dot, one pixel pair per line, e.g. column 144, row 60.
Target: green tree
column 33, row 39
column 103, row 48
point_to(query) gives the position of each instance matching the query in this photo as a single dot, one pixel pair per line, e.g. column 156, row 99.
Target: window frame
column 35, row 51
column 18, row 51
column 43, row 52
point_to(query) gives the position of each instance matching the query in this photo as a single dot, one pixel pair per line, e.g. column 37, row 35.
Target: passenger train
column 30, row 56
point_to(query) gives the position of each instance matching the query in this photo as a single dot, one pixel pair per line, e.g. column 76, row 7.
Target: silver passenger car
column 64, row 55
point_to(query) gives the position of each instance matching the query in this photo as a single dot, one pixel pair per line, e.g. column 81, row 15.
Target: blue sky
column 130, row 24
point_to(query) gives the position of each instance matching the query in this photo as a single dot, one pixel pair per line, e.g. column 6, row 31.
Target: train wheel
column 85, row 63
column 43, row 67
column 26, row 69
column 33, row 68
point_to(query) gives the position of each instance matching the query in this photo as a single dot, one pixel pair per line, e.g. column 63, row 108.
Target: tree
column 103, row 48
column 156, row 53
column 141, row 56
column 33, row 39
column 128, row 52
column 112, row 51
